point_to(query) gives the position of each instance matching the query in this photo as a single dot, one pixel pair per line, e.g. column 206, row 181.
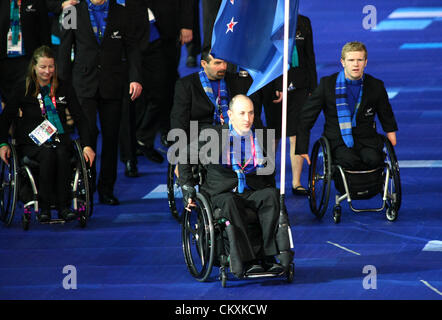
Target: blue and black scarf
column 221, row 102
column 346, row 121
column 250, row 156
column 98, row 15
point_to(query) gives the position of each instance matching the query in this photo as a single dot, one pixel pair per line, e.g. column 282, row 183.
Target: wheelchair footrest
column 265, row 275
column 54, row 221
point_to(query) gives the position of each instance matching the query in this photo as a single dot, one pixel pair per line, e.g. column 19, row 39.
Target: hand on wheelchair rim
column 190, row 204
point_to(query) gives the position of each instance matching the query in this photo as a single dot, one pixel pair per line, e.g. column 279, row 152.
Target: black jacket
column 172, row 16
column 34, row 23
column 100, row 66
column 305, row 75
column 374, row 102
column 219, row 178
column 192, row 103
column 31, row 115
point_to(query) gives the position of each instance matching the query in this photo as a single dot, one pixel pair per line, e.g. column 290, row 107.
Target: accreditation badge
column 43, row 132
column 14, row 48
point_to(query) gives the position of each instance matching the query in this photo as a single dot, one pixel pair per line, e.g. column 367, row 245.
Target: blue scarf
column 50, row 108
column 98, row 15
column 346, row 121
column 251, row 156
column 221, row 103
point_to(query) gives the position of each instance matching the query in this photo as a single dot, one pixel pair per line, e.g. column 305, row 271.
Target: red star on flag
column 230, row 25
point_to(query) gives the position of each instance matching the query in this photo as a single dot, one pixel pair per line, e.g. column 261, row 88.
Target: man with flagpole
column 256, row 36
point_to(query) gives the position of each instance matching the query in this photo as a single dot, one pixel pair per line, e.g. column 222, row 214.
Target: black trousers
column 128, row 140
column 13, row 72
column 109, row 113
column 360, row 157
column 265, row 203
column 54, row 174
column 273, row 111
column 153, row 107
column 194, row 47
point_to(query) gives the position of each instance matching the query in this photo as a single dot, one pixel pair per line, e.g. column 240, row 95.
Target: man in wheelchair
column 235, row 183
column 350, row 101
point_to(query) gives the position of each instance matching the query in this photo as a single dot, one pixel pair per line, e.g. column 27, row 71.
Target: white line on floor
column 344, row 248
column 431, row 287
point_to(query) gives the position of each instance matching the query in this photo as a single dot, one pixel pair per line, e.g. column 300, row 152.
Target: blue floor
column 133, row 251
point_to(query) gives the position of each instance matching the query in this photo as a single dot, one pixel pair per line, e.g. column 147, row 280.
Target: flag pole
column 284, row 95
column 284, row 230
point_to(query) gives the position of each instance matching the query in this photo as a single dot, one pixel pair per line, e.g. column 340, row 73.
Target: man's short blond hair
column 353, row 46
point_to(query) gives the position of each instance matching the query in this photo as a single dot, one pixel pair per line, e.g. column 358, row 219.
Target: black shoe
column 272, row 266
column 299, row 191
column 131, row 169
column 44, row 215
column 164, row 141
column 254, row 269
column 67, row 214
column 191, row 62
column 153, row 155
column 108, row 199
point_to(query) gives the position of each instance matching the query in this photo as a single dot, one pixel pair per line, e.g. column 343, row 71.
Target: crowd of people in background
column 121, row 59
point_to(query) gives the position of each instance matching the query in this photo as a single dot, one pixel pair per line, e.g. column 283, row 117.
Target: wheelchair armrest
column 29, row 162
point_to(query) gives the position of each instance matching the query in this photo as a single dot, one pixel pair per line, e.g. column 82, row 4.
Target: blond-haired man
column 350, row 100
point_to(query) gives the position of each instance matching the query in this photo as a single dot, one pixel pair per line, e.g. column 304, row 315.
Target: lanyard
column 218, row 103
column 41, row 103
column 252, row 143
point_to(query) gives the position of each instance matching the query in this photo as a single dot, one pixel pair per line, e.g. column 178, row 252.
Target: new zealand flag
column 250, row 34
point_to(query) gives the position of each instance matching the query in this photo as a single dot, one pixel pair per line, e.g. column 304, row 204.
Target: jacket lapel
column 201, row 89
column 88, row 24
column 364, row 99
column 110, row 16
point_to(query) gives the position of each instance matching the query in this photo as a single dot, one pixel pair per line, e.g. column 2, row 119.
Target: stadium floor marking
column 423, row 45
column 431, row 287
column 403, row 24
column 343, row 248
column 433, row 245
column 416, row 12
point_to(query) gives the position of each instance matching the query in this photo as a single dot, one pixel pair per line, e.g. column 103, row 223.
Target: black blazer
column 34, row 23
column 100, row 66
column 374, row 102
column 192, row 103
column 171, row 16
column 305, row 75
column 32, row 117
column 218, row 178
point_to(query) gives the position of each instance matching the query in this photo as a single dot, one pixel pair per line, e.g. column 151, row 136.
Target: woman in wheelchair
column 236, row 186
column 37, row 113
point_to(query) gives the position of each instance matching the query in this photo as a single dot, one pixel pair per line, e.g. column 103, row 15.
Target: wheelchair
column 353, row 185
column 205, row 241
column 174, row 191
column 19, row 175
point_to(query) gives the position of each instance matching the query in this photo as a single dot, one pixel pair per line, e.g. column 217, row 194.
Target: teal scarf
column 49, row 109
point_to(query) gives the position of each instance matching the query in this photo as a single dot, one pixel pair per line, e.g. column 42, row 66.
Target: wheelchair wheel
column 291, row 273
column 319, row 178
column 81, row 191
column 198, row 236
column 394, row 194
column 9, row 188
column 173, row 191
